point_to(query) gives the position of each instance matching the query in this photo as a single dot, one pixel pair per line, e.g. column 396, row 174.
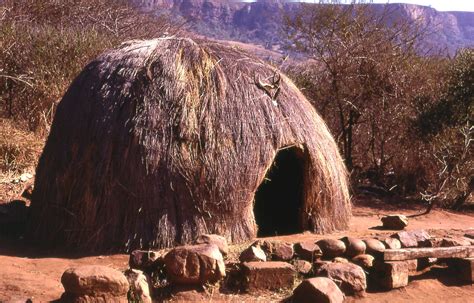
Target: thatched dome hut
column 159, row 141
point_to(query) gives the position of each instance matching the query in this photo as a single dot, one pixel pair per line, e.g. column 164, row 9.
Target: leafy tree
column 447, row 126
column 362, row 69
column 455, row 106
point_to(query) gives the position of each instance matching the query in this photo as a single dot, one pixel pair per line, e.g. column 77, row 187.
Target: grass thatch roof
column 158, row 141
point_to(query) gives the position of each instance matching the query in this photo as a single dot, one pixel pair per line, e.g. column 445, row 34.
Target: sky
column 440, row 5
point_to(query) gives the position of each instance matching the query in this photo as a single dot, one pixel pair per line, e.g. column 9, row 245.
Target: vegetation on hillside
column 403, row 121
column 45, row 43
column 446, row 125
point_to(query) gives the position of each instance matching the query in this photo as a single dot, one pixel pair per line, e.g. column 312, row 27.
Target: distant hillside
column 260, row 22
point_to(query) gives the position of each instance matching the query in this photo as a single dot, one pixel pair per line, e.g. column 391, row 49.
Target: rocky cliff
column 260, row 22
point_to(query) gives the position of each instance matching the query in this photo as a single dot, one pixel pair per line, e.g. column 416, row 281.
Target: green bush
column 447, row 128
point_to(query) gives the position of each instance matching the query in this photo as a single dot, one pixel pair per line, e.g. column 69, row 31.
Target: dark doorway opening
column 279, row 199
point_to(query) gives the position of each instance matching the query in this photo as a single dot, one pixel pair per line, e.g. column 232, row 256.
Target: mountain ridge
column 260, row 22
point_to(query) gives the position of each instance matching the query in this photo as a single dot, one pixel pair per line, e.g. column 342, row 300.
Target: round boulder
column 196, row 264
column 364, row 261
column 374, row 246
column 392, row 243
column 283, row 251
column 308, row 251
column 331, row 248
column 303, row 267
column 354, row 246
column 319, row 263
column 95, row 281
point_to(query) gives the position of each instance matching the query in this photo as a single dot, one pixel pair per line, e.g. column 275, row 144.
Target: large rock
column 266, row 246
column 196, row 264
column 349, row 277
column 364, row 261
column 320, row 289
column 395, row 222
column 413, row 238
column 331, row 248
column 303, row 267
column 220, row 241
column 452, row 241
column 308, row 251
column 392, row 243
column 374, row 246
column 422, row 236
column 354, row 246
column 319, row 263
column 406, row 239
column 139, row 286
column 253, row 254
column 282, row 251
column 392, row 275
column 268, row 275
column 92, row 283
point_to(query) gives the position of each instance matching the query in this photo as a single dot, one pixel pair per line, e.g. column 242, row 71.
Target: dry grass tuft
column 19, row 149
column 19, row 153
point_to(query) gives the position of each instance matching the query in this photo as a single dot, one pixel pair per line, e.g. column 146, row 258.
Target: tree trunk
column 349, row 132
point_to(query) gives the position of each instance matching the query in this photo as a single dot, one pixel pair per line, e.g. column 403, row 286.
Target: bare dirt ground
column 26, row 275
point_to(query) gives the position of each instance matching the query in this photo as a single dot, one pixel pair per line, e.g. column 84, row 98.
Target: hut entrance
column 279, row 199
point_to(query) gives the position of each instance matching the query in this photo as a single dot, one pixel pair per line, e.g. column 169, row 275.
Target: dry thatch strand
column 159, row 141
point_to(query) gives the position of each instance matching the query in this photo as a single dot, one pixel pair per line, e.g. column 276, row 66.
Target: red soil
column 24, row 274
